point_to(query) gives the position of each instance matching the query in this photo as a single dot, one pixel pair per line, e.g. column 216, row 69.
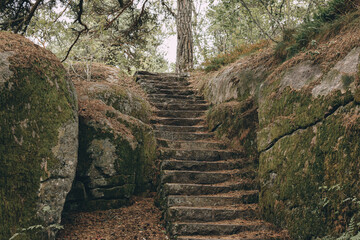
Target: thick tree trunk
column 184, row 54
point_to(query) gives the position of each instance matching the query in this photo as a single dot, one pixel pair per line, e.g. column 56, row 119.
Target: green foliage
column 324, row 19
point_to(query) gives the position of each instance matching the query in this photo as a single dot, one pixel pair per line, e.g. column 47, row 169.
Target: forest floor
column 140, row 221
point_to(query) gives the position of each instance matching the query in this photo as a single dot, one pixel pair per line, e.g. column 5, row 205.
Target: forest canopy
column 128, row 33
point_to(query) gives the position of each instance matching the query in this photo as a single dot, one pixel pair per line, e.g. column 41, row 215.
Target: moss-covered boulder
column 117, row 149
column 308, row 139
column 39, row 138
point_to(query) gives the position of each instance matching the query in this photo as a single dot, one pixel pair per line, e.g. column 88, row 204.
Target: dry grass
column 26, row 53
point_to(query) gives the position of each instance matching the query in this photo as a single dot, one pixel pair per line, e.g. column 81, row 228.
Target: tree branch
column 168, row 9
column 256, row 22
column 119, row 14
column 28, row 18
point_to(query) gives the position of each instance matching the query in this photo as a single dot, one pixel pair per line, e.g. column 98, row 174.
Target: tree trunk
column 184, row 54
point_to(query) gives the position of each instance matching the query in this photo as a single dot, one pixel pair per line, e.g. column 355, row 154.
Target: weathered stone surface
column 39, row 137
column 117, row 149
column 308, row 140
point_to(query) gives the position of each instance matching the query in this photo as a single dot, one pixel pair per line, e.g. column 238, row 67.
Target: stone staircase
column 207, row 191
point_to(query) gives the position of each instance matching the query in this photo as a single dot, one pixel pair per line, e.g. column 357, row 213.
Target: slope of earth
column 140, row 221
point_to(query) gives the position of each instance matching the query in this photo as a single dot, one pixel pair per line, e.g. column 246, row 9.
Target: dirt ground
column 140, row 221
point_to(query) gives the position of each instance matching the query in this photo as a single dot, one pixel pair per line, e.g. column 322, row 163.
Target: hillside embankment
column 299, row 117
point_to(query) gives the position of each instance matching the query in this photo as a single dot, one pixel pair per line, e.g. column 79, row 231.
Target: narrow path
column 208, row 191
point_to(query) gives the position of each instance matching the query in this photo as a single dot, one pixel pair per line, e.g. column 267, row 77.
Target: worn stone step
column 212, row 214
column 178, row 121
column 205, row 189
column 176, row 91
column 183, row 136
column 225, row 199
column 172, row 96
column 181, row 106
column 178, row 101
column 205, row 177
column 180, row 128
column 199, row 165
column 216, row 228
column 199, row 154
column 198, row 177
column 253, row 235
column 193, row 145
column 160, row 80
column 180, row 113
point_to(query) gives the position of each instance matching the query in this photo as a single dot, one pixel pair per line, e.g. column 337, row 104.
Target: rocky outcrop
column 117, row 149
column 308, row 142
column 38, row 143
column 305, row 130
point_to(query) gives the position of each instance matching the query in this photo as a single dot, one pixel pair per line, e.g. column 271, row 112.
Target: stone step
column 199, row 165
column 170, row 128
column 253, row 235
column 198, row 177
column 205, row 177
column 161, row 86
column 180, row 113
column 180, row 106
column 176, row 91
column 194, row 145
column 217, row 228
column 212, row 214
column 173, row 96
column 206, row 189
column 183, row 136
column 225, row 199
column 177, row 101
column 170, row 81
column 199, row 154
column 178, row 121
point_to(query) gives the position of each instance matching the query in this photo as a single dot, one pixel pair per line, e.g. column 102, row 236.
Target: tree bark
column 184, row 54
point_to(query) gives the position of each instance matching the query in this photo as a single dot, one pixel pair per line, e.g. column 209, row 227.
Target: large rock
column 39, row 138
column 308, row 139
column 117, row 149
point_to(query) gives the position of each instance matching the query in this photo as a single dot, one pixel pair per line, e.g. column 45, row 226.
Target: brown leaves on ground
column 141, row 221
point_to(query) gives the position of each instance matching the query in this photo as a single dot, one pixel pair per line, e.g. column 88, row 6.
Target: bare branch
column 29, row 17
column 62, row 12
column 271, row 16
column 73, row 44
column 256, row 21
column 119, row 14
column 168, row 9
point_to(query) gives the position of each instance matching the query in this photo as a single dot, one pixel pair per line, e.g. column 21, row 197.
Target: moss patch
column 34, row 104
column 236, row 123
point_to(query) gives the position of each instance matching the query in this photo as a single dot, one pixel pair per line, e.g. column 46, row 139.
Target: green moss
column 134, row 167
column 126, row 103
column 294, row 170
column 237, row 122
column 282, row 113
column 30, row 115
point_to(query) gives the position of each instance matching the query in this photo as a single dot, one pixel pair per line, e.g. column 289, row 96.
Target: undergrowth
column 223, row 59
column 327, row 21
